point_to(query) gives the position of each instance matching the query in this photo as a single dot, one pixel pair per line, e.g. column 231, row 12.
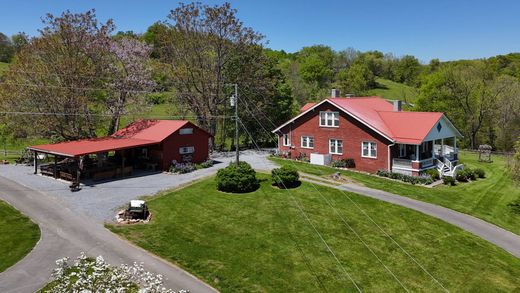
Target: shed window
column 186, row 131
column 329, row 119
column 186, row 150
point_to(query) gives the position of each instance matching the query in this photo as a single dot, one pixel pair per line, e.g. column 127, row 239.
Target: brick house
column 376, row 133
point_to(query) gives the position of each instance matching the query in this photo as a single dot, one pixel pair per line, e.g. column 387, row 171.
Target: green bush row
column 423, row 179
column 344, row 163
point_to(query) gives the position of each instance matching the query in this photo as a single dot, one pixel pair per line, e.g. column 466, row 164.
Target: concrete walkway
column 67, row 233
column 494, row 234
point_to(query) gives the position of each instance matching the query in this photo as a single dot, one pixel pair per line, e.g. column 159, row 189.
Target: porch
column 411, row 159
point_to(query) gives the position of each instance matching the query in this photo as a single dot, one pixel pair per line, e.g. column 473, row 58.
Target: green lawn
column 485, row 198
column 18, row 235
column 394, row 91
column 261, row 242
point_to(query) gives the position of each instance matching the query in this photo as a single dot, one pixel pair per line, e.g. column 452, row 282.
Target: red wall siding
column 171, row 145
column 351, row 131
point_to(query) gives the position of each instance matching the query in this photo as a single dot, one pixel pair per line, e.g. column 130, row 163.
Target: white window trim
column 369, row 150
column 186, row 150
column 326, row 114
column 336, row 146
column 307, row 138
column 288, row 139
column 186, row 131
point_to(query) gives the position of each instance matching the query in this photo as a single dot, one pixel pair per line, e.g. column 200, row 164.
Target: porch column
column 35, row 159
column 433, row 149
column 122, row 163
column 454, row 144
column 417, row 152
column 442, row 147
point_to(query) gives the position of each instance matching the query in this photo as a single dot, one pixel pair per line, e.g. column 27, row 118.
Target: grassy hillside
column 394, row 91
column 3, row 67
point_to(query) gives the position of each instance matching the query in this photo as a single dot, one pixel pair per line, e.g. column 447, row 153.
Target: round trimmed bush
column 434, row 173
column 480, row 173
column 285, row 176
column 462, row 176
column 448, row 180
column 237, row 178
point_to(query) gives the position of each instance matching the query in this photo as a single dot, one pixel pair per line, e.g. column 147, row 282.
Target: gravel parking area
column 100, row 200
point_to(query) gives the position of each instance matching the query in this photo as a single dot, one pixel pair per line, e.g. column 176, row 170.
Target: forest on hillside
column 80, row 78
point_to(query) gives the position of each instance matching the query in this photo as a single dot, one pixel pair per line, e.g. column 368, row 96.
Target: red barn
column 373, row 132
column 144, row 144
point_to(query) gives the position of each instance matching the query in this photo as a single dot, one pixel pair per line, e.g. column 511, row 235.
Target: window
column 307, row 142
column 402, row 150
column 186, row 150
column 183, row 131
column 286, row 139
column 329, row 119
column 369, row 149
column 336, row 146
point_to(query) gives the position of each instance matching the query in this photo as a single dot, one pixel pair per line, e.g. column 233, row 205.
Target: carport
column 98, row 159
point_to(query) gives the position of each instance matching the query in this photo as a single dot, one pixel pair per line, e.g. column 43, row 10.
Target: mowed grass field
column 485, row 198
column 18, row 235
column 394, row 91
column 263, row 242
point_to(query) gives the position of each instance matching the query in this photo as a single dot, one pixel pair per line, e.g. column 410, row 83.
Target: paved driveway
column 100, row 200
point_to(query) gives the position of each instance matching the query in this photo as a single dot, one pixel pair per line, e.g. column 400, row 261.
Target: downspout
column 388, row 153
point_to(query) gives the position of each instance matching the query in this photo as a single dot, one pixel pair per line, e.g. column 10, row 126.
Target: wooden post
column 417, row 153
column 55, row 167
column 35, row 162
column 442, row 147
column 433, row 149
column 122, row 163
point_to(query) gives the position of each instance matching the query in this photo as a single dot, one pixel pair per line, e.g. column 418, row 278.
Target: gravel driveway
column 100, row 200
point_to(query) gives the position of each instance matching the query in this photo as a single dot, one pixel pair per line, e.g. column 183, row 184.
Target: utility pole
column 234, row 102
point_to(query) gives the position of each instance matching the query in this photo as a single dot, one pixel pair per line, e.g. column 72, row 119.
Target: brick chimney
column 334, row 93
column 397, row 105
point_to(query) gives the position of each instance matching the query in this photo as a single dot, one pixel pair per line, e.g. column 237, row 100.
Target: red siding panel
column 198, row 139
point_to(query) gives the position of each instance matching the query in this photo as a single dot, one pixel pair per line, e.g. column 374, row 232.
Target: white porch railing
column 402, row 163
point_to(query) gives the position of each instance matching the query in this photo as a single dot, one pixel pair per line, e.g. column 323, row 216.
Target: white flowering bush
column 86, row 275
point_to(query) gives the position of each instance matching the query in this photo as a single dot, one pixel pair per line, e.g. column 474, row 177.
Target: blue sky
column 441, row 29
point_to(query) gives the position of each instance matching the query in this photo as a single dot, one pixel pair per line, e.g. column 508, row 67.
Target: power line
column 308, row 219
column 14, row 113
column 379, row 227
column 341, row 217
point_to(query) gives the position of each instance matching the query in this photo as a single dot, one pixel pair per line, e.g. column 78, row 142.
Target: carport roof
column 137, row 134
column 91, row 146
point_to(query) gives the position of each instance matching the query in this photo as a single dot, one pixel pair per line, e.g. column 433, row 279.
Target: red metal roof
column 378, row 114
column 137, row 134
column 307, row 107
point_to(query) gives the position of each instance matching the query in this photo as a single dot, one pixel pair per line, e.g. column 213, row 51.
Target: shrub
column 302, row 157
column 424, row 179
column 285, row 177
column 470, row 173
column 433, row 173
column 237, row 179
column 462, row 176
column 206, row 164
column 88, row 274
column 182, row 168
column 344, row 163
column 480, row 173
column 448, row 180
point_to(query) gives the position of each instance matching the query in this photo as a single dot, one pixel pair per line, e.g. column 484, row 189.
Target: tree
column 207, row 48
column 19, row 40
column 407, row 70
column 357, row 79
column 467, row 93
column 515, row 164
column 131, row 78
column 6, row 48
column 316, row 64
